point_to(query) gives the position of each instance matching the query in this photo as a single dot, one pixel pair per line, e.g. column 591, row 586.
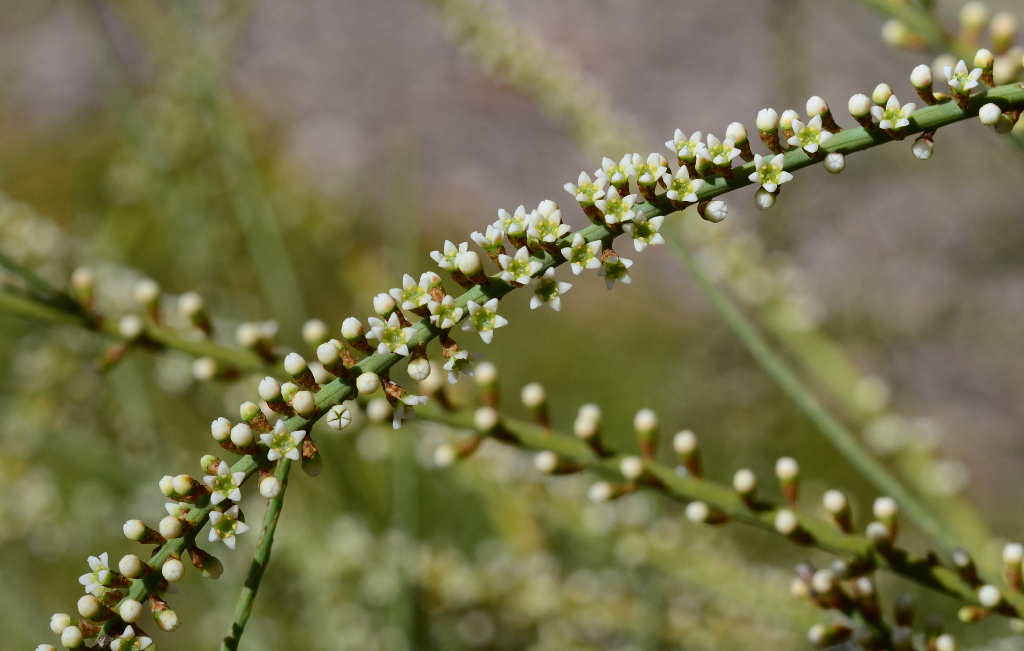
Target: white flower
column 546, row 223
column 960, row 80
column 224, row 485
column 644, row 231
column 444, row 314
column 581, row 254
column 225, row 526
column 615, row 268
column 412, row 294
column 282, row 443
column 518, row 268
column 449, row 259
column 649, row 172
column 484, row 319
column 893, row 116
column 403, row 408
column 461, row 362
column 129, row 642
column 686, row 148
column 99, row 577
column 616, row 210
column 514, row 225
column 681, row 188
column 809, row 136
column 768, row 172
column 392, row 337
column 548, row 290
column 586, row 191
column 491, row 239
column 617, row 174
column 721, row 152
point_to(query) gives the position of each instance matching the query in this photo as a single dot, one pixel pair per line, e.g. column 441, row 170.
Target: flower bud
column 989, row 114
column 923, row 148
column 859, row 105
column 134, row 529
column 327, row 353
column 59, row 622
column 270, row 389
column 881, row 94
column 786, row 522
column 190, row 304
column 204, row 369
column 270, row 487
column 486, row 419
column 763, row 199
column 338, row 418
column 383, row 304
column 834, row 162
column 545, row 462
column 697, row 512
column 89, row 607
column 444, row 455
column 419, row 368
column 470, row 263
column 716, row 211
column 921, row 77
column 737, row 132
column 378, row 411
column 304, row 403
column 1003, row 31
column 352, row 328
column 167, row 620
column 167, row 485
column 744, row 482
column 130, row 611
column 130, row 327
column 72, row 638
column 973, row 17
column 147, row 292
column 130, row 565
column 173, row 570
column 767, row 120
column 533, row 395
column 367, row 383
column 989, row 596
column 631, row 468
column 600, row 492
column 314, row 332
column 241, row 435
column 816, row 106
column 170, row 527
column 294, row 364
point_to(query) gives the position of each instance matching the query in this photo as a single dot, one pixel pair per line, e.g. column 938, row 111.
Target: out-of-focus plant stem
column 259, row 562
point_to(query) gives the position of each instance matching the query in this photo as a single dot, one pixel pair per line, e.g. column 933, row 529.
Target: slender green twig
column 259, row 563
column 834, row 431
column 39, row 286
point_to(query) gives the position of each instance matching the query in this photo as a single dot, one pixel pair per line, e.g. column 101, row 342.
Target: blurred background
column 291, row 160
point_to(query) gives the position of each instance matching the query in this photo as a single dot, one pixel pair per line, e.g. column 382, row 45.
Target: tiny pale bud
column 744, row 481
column 130, row 565
column 170, row 527
column 167, row 621
column 486, row 374
column 327, row 353
column 130, row 611
column 983, row 59
column 59, row 622
column 786, row 522
column 921, row 77
column 304, row 403
column 859, row 105
column 134, row 529
column 352, row 328
column 989, row 596
column 383, row 304
column 631, row 467
column 221, row 429
column 763, row 199
column 787, row 469
column 600, row 492
column 72, row 638
column 835, row 502
column 485, row 419
column 885, row 508
column 444, row 455
column 173, row 570
column 314, row 332
column 545, row 462
column 419, row 369
column 89, row 606
column 190, row 304
column 533, row 395
column 270, row 487
column 989, row 114
column 835, row 162
column 241, row 435
column 881, row 94
column 697, row 512
column 270, row 389
column 294, row 364
column 685, row 442
column 367, row 383
column 767, row 120
column 182, row 484
column 645, row 421
column 470, row 263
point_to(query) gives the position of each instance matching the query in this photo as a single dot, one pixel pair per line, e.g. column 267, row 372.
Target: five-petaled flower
column 581, row 254
column 412, row 294
column 686, row 148
column 586, row 191
column 515, row 224
column 484, row 319
column 449, row 258
column 548, row 290
column 461, row 361
column 100, row 576
column 809, row 136
column 224, row 485
column 650, row 172
column 960, row 80
column 444, row 314
column 617, row 174
column 403, row 408
column 893, row 116
column 681, row 188
column 491, row 240
column 128, row 641
column 546, row 223
column 616, row 210
column 615, row 268
column 225, row 525
column 518, row 268
column 644, row 231
column 392, row 337
column 721, row 152
column 768, row 172
column 282, row 443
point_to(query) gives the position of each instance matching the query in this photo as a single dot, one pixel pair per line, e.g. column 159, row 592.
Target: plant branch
column 259, row 563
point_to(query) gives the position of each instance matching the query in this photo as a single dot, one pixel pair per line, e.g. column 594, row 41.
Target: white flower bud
column 247, row 334
column 167, row 621
column 973, row 16
column 631, row 467
column 270, row 389
column 182, row 484
column 130, row 565
column 221, row 429
column 737, row 132
column 588, row 421
column 485, row 374
column 684, row 442
column 787, row 469
column 716, row 211
column 786, row 121
column 989, row 596
column 767, row 120
column 835, row 502
column 72, row 638
column 1013, row 553
column 147, row 291
column 338, row 418
column 444, row 455
column 989, row 114
column 327, row 353
column 134, row 529
column 130, row 611
column 130, row 327
column 485, row 419
column 878, row 533
column 173, row 570
column 419, row 369
column 799, row 588
column 294, row 364
column 170, row 527
column 378, row 411
column 895, row 32
column 204, row 369
column 823, row 581
column 1003, row 28
column 763, row 199
column 190, row 304
column 352, row 328
column 744, row 481
column 545, row 461
column 367, row 383
column 923, row 148
column 600, row 492
column 885, row 508
column 314, row 332
column 835, row 162
column 241, row 435
column 89, row 606
column 881, row 94
column 470, row 263
column 816, row 106
column 83, row 278
column 304, row 404
column 859, row 105
column 786, row 522
column 697, row 512
column 945, row 642
column 59, row 622
column 167, row 485
column 383, row 304
column 921, row 77
column 45, row 647
column 270, row 487
column 645, row 421
column 533, row 395
column 983, row 59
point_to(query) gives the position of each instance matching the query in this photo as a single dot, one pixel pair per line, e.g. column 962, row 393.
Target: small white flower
column 224, row 485
column 444, row 314
column 491, row 239
column 615, row 268
column 616, row 210
column 129, row 642
column 893, row 116
column 403, row 408
column 581, row 254
column 461, row 362
column 515, row 225
column 644, row 231
column 721, row 152
column 100, row 576
column 518, row 268
column 809, row 136
column 548, row 290
column 960, row 80
column 681, row 188
column 449, row 259
column 685, row 148
column 546, row 223
column 412, row 294
column 617, row 174
column 225, row 526
column 484, row 319
column 282, row 443
column 586, row 191
column 648, row 173
column 392, row 337
column 768, row 172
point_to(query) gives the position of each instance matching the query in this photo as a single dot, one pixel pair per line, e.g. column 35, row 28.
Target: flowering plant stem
column 259, row 562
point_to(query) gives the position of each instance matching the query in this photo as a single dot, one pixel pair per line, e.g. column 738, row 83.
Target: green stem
column 259, row 563
column 834, row 431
